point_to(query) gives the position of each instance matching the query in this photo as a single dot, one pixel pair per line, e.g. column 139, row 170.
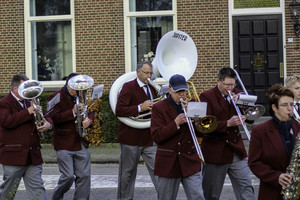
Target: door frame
column 256, row 11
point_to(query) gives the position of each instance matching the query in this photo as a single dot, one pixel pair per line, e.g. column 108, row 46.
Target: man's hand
column 75, row 107
column 180, row 119
column 46, row 126
column 86, row 122
column 31, row 109
column 147, row 105
column 235, row 120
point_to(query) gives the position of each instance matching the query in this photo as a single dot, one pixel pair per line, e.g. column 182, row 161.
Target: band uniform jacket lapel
column 276, row 140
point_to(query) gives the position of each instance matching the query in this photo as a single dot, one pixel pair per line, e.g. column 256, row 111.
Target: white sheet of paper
column 97, row 91
column 55, row 100
column 196, row 109
column 163, row 89
column 246, row 100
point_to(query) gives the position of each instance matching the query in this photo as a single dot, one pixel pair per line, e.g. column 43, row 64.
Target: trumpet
column 192, row 131
column 145, row 117
column 239, row 114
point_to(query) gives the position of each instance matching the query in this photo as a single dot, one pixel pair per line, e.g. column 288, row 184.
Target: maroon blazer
column 129, row 98
column 219, row 146
column 176, row 155
column 65, row 135
column 19, row 140
column 268, row 158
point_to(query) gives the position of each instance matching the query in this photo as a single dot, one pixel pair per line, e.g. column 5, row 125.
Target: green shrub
column 105, row 125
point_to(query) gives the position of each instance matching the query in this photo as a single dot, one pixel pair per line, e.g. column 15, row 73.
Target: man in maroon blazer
column 20, row 153
column 223, row 149
column 133, row 99
column 73, row 156
column 176, row 159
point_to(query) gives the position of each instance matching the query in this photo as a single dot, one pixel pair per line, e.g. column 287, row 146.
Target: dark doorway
column 258, row 53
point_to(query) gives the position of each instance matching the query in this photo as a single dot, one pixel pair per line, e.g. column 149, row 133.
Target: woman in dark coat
column 272, row 143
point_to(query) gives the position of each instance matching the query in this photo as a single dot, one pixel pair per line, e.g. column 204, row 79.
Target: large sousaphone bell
column 176, row 53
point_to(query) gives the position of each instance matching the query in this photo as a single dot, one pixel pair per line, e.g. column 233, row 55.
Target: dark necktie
column 298, row 108
column 226, row 99
column 148, row 92
column 23, row 103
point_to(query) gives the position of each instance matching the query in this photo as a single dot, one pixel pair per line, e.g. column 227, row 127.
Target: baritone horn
column 81, row 83
column 32, row 89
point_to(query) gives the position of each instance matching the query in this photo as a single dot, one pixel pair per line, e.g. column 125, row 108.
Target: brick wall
column 292, row 49
column 208, row 25
column 100, row 40
column 12, row 42
column 99, row 32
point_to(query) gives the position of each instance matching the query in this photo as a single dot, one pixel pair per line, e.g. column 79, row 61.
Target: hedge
column 105, row 125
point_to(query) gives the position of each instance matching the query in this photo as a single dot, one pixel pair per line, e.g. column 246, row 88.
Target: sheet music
column 196, row 109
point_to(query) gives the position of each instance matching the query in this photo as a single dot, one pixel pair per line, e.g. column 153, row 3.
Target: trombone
column 251, row 113
column 254, row 111
column 192, row 131
column 206, row 124
column 239, row 114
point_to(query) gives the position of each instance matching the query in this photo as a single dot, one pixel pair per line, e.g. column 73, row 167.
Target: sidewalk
column 104, row 153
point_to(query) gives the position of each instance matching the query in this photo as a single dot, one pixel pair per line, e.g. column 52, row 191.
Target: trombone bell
column 254, row 112
column 206, row 124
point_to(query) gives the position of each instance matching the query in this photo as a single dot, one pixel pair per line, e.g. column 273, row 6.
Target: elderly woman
column 272, row 143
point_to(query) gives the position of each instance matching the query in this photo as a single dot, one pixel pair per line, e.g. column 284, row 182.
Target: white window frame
column 28, row 54
column 128, row 15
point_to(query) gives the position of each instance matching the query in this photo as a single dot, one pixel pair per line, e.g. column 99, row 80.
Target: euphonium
column 81, row 83
column 292, row 191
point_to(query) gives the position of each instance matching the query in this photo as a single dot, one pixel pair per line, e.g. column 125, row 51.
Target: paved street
column 104, row 184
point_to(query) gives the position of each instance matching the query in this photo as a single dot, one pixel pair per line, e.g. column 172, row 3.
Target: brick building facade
column 99, row 37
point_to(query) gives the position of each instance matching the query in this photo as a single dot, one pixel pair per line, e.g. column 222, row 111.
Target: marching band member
column 176, row 159
column 135, row 98
column 293, row 83
column 20, row 153
column 272, row 143
column 223, row 149
column 73, row 155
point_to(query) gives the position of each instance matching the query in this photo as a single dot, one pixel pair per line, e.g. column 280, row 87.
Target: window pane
column 145, row 35
column 256, row 4
column 52, row 50
column 49, row 7
column 149, row 5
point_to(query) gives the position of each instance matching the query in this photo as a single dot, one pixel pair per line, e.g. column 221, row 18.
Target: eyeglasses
column 287, row 104
column 228, row 84
column 147, row 73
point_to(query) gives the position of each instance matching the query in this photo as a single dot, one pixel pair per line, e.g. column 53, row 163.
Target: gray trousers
column 129, row 158
column 32, row 177
column 168, row 187
column 70, row 164
column 239, row 174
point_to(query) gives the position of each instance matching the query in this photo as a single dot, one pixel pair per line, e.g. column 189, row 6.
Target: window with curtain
column 50, row 39
column 146, row 31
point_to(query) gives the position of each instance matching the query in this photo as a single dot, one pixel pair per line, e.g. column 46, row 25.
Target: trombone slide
column 239, row 114
column 192, row 131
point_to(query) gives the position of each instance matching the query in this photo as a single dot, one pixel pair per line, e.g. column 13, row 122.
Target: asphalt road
column 104, row 184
